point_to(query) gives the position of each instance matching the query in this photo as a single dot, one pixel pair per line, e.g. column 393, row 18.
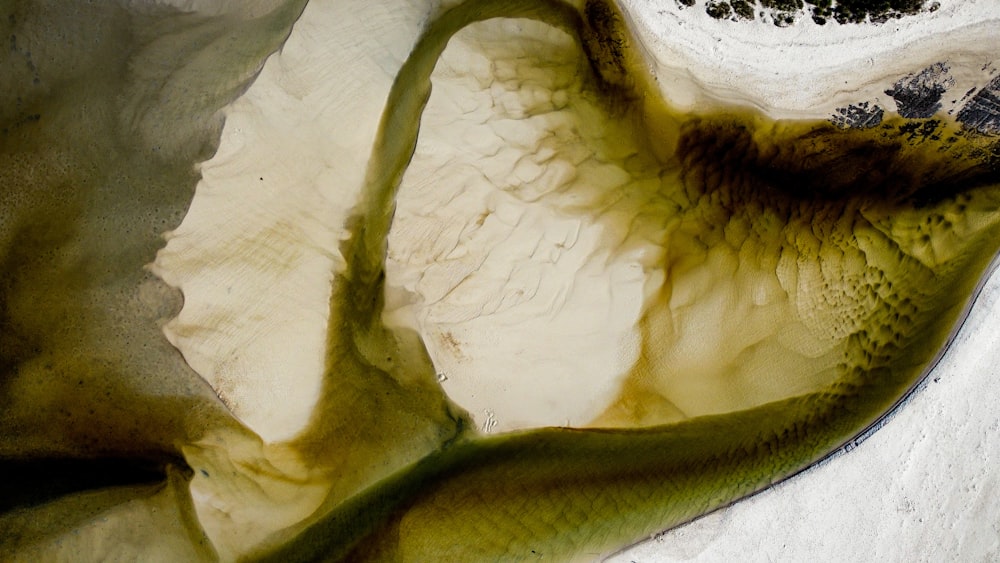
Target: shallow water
column 804, row 277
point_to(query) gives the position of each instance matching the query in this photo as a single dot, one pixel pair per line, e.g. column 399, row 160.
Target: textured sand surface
column 918, row 488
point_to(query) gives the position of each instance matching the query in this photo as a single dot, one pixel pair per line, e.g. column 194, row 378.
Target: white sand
column 528, row 306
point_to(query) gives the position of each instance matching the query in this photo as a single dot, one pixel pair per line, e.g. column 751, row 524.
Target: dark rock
column 982, row 112
column 858, row 116
column 919, row 96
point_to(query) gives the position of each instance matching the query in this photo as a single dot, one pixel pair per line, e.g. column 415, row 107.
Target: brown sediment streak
column 871, row 240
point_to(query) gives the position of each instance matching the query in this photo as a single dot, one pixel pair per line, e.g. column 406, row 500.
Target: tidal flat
column 325, row 360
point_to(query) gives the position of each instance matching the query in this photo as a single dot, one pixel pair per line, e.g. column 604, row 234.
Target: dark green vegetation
column 718, row 10
column 857, row 11
column 785, row 12
column 883, row 232
column 743, row 9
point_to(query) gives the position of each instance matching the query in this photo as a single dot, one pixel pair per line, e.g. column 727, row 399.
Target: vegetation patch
column 786, row 12
column 743, row 9
column 719, row 10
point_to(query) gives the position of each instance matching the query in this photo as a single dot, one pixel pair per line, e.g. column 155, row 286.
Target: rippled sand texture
column 420, row 226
